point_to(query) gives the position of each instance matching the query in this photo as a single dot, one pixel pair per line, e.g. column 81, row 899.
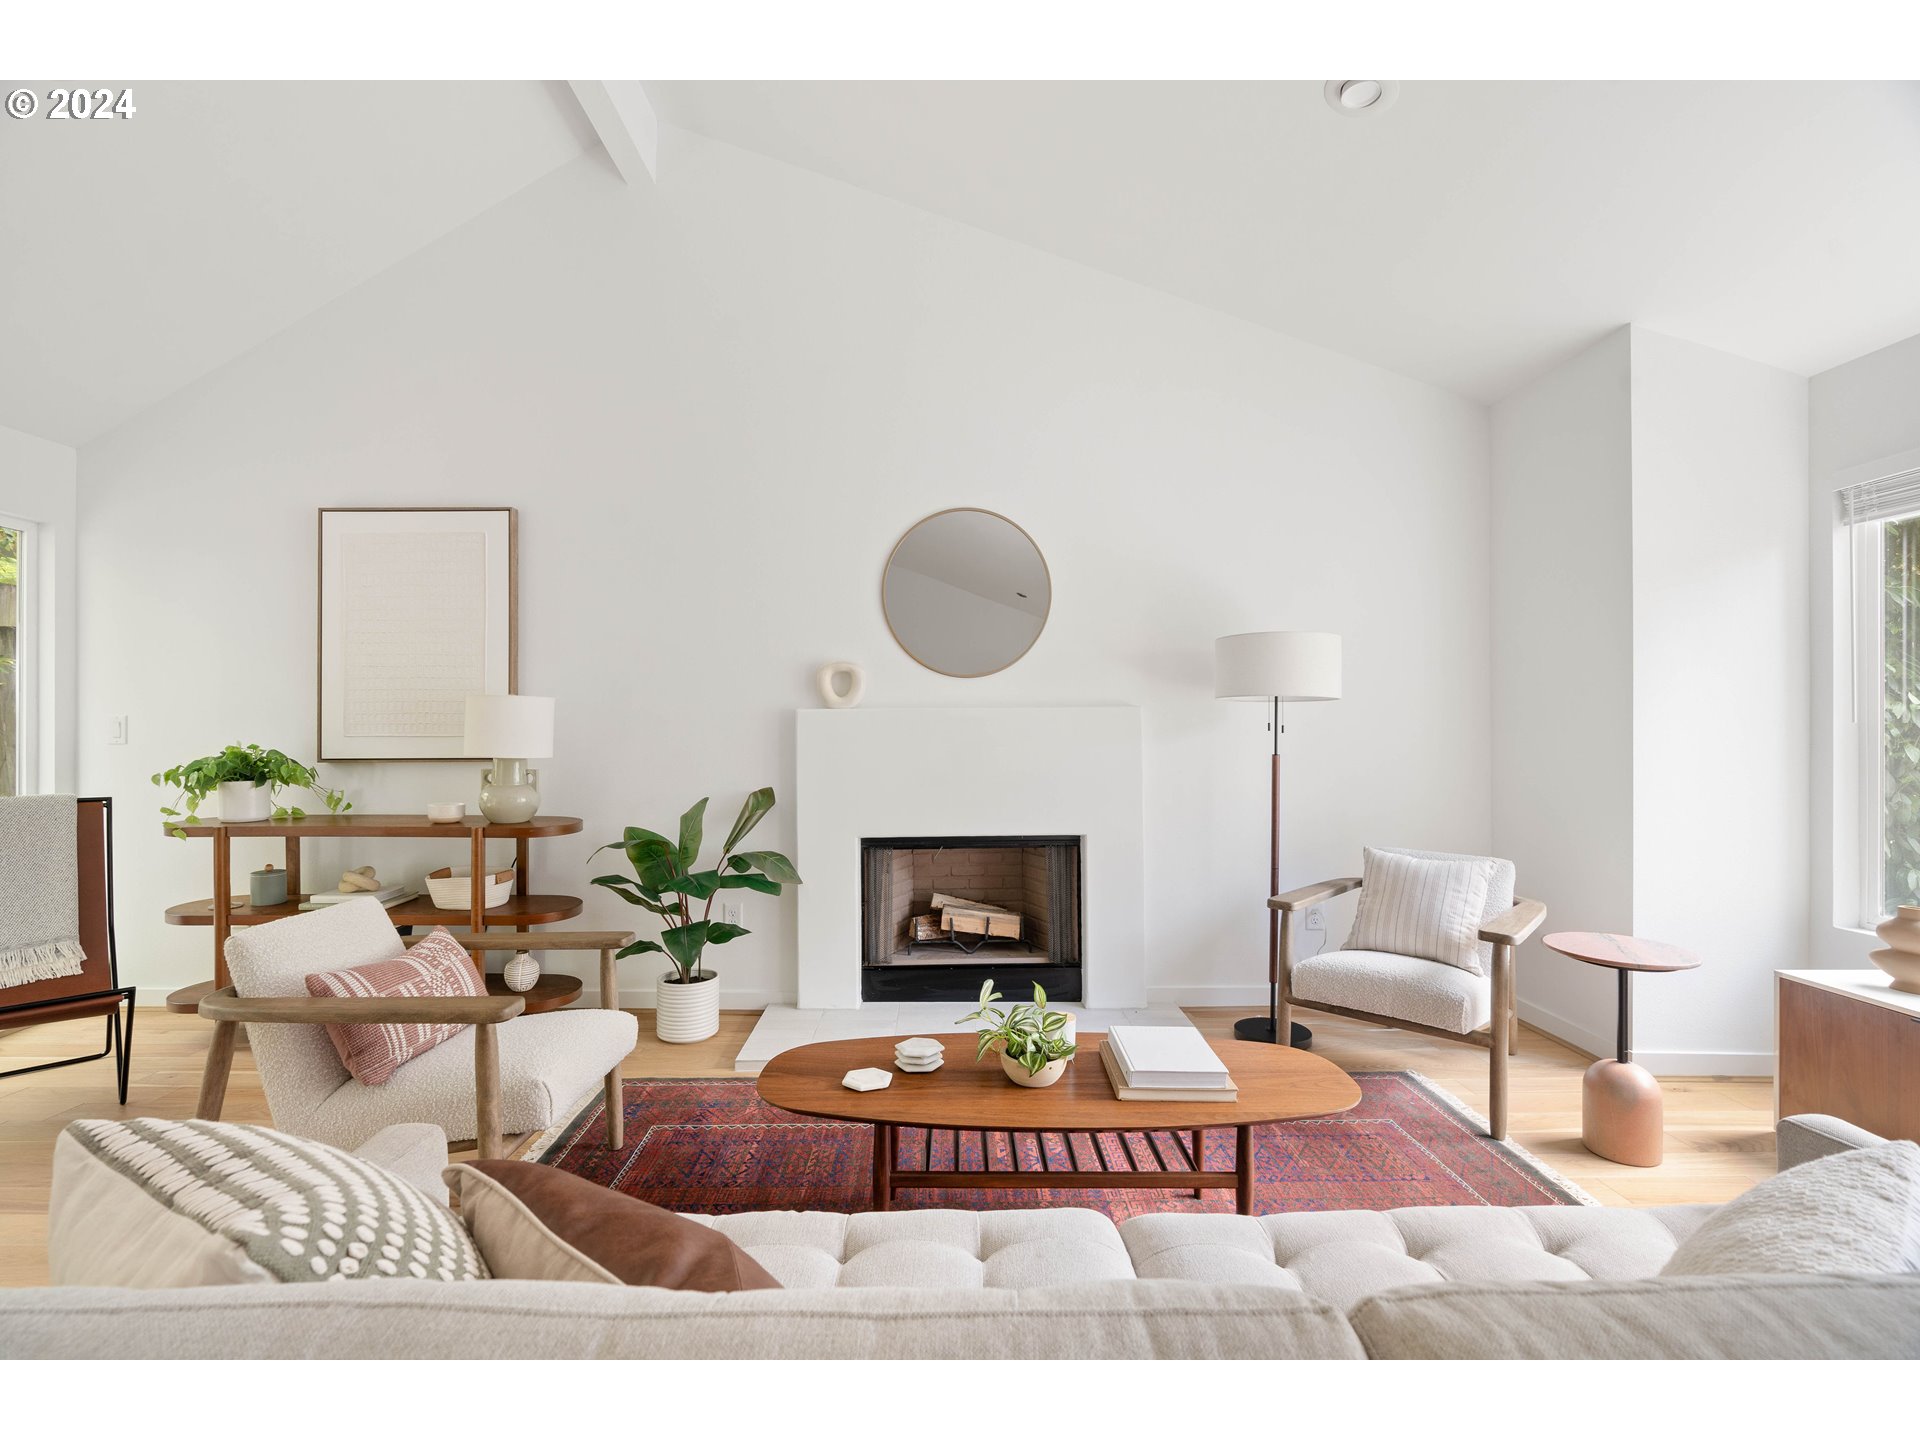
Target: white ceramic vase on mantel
column 242, row 800
column 683, row 1014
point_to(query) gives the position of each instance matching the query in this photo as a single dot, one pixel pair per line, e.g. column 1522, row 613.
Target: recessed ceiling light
column 1361, row 97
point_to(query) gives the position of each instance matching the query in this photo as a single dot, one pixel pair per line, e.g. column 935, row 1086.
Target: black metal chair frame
column 119, row 1041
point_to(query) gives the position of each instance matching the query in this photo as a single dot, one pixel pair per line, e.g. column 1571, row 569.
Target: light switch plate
column 116, row 730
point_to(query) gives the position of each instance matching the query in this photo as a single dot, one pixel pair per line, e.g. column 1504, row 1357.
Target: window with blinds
column 1883, row 519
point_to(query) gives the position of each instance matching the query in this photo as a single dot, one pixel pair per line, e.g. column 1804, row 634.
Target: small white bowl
column 446, row 814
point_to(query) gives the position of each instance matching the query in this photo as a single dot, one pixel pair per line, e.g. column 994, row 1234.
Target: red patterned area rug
column 714, row 1147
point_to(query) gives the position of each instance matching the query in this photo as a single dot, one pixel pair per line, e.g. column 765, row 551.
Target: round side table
column 1621, row 1112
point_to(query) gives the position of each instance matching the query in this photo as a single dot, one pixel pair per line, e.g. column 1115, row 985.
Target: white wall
column 1863, row 420
column 1563, row 671
column 1720, row 703
column 717, row 403
column 37, row 483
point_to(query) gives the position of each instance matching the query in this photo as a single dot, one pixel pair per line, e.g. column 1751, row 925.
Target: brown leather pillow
column 532, row 1222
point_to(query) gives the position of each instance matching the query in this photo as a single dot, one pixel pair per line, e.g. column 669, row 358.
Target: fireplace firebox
column 939, row 914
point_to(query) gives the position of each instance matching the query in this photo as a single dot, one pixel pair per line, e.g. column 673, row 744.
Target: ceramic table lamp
column 1276, row 666
column 512, row 729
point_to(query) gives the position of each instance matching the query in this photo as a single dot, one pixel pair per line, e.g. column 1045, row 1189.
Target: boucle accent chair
column 1410, row 993
column 507, row 1072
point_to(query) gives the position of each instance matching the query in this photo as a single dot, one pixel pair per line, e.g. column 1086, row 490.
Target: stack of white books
column 387, row 895
column 1165, row 1062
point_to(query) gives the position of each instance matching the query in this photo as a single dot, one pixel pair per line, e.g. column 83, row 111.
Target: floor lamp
column 1276, row 666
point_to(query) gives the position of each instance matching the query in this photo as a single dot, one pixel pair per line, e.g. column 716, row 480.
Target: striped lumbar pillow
column 171, row 1203
column 437, row 966
column 1426, row 907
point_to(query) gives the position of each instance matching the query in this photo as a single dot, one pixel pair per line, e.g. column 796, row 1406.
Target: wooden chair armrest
column 1309, row 894
column 1516, row 924
column 539, row 940
column 361, row 1010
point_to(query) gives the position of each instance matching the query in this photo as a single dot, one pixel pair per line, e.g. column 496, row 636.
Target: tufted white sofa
column 1470, row 1282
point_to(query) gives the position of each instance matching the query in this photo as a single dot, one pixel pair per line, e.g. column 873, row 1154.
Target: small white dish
column 917, row 1067
column 447, row 812
column 868, row 1079
column 919, row 1047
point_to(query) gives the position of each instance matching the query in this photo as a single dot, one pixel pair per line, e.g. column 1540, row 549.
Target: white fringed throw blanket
column 39, row 890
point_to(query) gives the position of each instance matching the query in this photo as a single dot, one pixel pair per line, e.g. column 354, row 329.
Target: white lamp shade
column 1277, row 665
column 509, row 727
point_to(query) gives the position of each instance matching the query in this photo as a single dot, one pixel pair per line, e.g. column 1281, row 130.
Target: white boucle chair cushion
column 299, row 1068
column 948, row 1249
column 1423, row 991
column 547, row 1062
column 1344, row 1256
column 1851, row 1214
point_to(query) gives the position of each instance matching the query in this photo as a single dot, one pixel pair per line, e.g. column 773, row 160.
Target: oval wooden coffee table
column 968, row 1096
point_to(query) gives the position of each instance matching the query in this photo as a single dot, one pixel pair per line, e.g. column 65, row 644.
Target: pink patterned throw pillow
column 437, row 965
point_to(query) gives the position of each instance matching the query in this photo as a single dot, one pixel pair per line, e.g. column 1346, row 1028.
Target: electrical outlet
column 731, row 912
column 1316, row 918
column 116, row 730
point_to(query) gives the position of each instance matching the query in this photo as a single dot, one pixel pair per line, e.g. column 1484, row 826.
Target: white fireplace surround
column 1070, row 770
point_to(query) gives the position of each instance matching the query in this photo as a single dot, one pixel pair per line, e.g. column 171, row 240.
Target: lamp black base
column 1260, row 1027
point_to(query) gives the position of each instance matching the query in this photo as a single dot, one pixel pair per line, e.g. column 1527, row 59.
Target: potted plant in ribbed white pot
column 687, row 997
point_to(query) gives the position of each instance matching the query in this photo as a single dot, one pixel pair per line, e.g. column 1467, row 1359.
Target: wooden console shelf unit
column 1849, row 1045
column 520, row 910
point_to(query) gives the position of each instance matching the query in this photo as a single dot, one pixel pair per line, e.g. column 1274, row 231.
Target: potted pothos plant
column 249, row 781
column 1033, row 1041
column 665, row 882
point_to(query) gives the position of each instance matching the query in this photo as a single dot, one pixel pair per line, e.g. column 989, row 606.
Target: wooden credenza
column 1848, row 1045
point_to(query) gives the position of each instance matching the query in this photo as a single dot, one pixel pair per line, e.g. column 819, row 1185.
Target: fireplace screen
column 941, row 914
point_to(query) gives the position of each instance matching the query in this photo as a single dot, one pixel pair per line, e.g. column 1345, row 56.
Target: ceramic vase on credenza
column 1901, row 960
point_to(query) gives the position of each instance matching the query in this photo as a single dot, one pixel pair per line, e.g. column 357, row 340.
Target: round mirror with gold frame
column 966, row 592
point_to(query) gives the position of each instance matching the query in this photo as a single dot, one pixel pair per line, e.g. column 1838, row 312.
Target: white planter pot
column 242, row 800
column 683, row 1014
column 1016, row 1072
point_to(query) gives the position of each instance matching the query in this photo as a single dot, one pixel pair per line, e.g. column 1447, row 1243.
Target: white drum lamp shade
column 1277, row 665
column 516, row 726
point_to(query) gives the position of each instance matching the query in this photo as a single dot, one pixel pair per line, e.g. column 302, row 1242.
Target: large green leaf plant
column 665, row 882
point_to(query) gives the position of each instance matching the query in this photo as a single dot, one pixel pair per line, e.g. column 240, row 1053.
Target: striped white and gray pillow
column 1429, row 907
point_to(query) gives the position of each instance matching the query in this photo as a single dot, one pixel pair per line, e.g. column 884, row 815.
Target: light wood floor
column 1719, row 1131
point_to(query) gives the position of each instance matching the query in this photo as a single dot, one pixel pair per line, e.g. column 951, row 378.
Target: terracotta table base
column 1621, row 1113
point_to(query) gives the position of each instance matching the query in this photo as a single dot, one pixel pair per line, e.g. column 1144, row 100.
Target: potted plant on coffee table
column 664, row 881
column 249, row 781
column 1032, row 1040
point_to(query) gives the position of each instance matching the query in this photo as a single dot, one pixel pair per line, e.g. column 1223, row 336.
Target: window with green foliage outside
column 1900, row 713
column 9, row 661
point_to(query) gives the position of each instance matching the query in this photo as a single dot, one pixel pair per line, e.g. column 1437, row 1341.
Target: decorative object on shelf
column 416, row 613
column 1901, row 960
column 451, row 887
column 360, row 878
column 248, row 780
column 1276, row 666
column 1621, row 1109
column 842, row 684
column 447, row 812
column 513, row 729
column 918, row 1055
column 359, row 884
column 1029, row 1038
column 868, row 1079
column 58, row 959
column 521, row 973
column 966, row 592
column 687, row 998
column 267, row 887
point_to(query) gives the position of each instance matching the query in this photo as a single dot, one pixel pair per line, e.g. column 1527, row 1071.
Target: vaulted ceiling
column 1470, row 235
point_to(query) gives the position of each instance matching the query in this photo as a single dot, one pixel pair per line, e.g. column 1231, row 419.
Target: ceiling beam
column 623, row 117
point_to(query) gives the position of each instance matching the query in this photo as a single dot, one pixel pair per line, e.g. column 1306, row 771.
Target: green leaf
column 750, row 882
column 692, row 827
column 696, row 887
column 752, row 812
column 631, row 893
column 719, row 933
column 639, row 947
column 684, row 944
column 775, row 865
